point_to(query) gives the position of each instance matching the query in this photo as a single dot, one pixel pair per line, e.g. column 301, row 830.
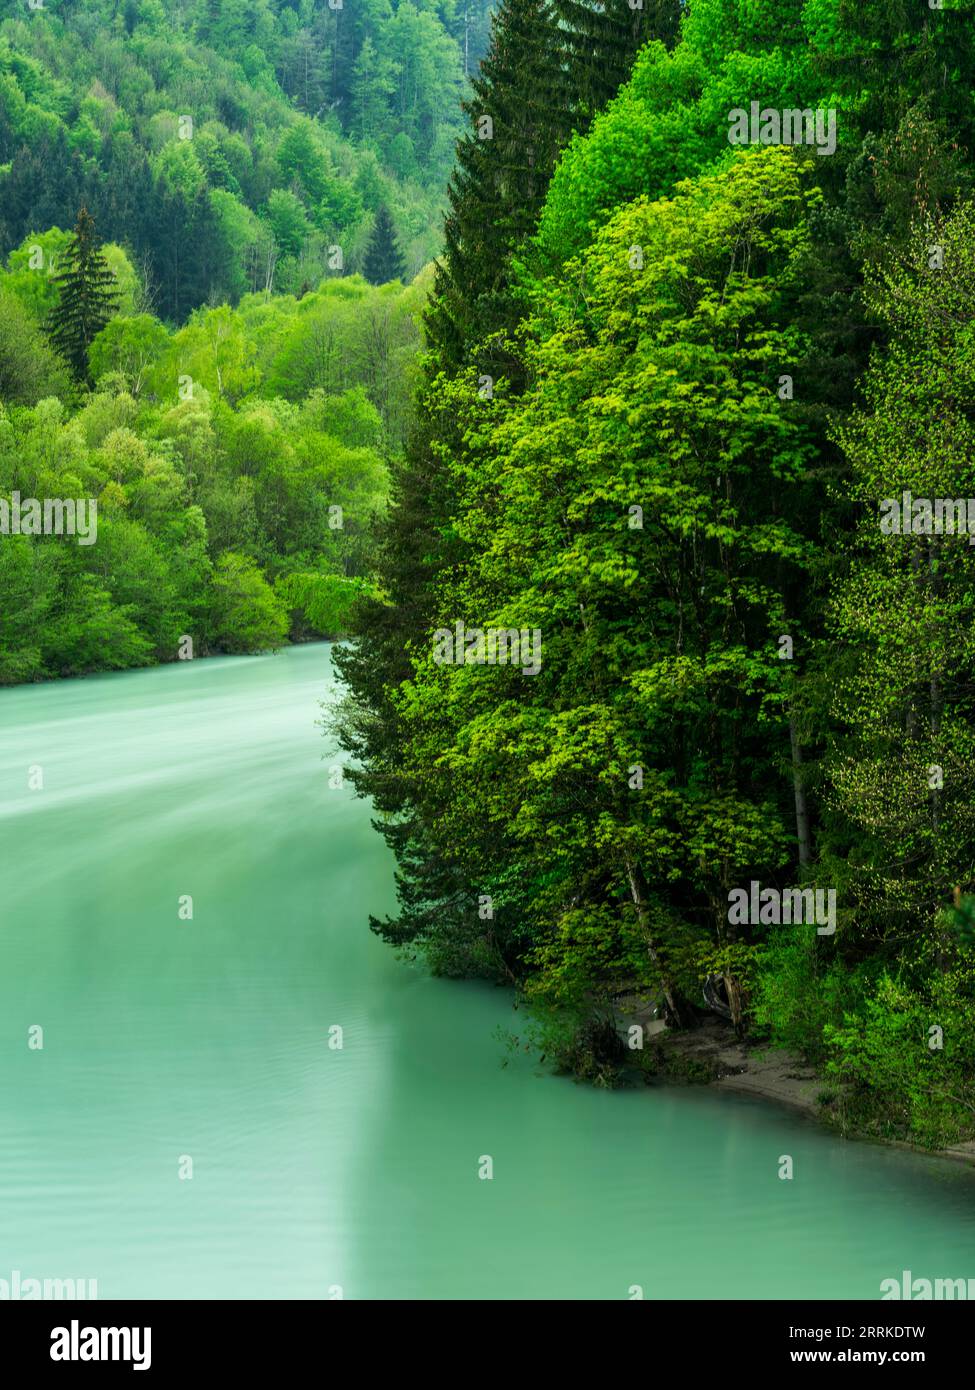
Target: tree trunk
column 735, row 1003
column 678, row 1015
column 803, row 836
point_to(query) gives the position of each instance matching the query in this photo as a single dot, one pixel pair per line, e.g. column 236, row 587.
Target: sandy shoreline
column 713, row 1051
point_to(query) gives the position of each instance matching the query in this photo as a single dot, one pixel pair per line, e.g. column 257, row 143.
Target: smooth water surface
column 167, row 1040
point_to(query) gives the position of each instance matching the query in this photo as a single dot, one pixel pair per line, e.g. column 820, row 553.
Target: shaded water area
column 313, row 1167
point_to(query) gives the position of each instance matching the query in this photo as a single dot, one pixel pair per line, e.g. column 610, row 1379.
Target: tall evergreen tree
column 87, row 297
column 551, row 65
column 602, row 38
column 384, row 260
column 521, row 116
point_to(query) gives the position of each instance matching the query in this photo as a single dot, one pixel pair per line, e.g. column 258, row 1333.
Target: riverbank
column 713, row 1055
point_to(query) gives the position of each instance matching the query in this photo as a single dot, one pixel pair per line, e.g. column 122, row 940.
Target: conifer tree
column 522, row 114
column 521, row 117
column 602, row 38
column 87, row 297
column 384, row 260
column 551, row 65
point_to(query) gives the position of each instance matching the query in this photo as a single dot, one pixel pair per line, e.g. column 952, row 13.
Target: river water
column 187, row 1131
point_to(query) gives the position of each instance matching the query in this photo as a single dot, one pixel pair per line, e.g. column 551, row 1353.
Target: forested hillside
column 649, row 673
column 236, row 463
column 208, row 364
column 227, row 144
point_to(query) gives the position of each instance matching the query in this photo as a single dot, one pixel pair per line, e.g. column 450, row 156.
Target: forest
column 229, row 143
column 637, row 332
column 259, row 180
column 696, row 417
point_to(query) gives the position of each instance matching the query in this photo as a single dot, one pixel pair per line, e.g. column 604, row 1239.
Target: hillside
column 233, row 145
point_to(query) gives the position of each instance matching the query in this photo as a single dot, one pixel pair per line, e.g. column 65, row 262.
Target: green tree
column 245, row 614
column 289, row 222
column 131, row 347
column 902, row 632
column 602, row 40
column 303, row 162
column 660, row 649
column 29, row 369
column 91, row 633
column 373, row 84
column 87, row 297
column 384, row 260
column 521, row 116
column 28, row 587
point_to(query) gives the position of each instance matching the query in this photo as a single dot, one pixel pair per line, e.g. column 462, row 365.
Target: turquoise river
column 187, row 1130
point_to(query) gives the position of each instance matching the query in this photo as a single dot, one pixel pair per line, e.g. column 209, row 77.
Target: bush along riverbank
column 839, row 1045
column 629, row 1045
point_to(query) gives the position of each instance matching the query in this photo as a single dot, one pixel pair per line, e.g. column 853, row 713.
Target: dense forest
column 669, row 686
column 236, row 463
column 217, row 224
column 228, row 144
column 258, row 181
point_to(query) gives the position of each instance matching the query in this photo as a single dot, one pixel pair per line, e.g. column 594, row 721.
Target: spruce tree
column 87, row 297
column 521, row 116
column 384, row 260
column 602, row 38
column 551, row 65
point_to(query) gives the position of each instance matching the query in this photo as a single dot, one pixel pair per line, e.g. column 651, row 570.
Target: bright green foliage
column 530, row 95
column 29, row 368
column 92, row 633
column 288, row 220
column 871, row 62
column 323, row 601
column 670, row 121
column 660, row 646
column 907, row 1056
column 31, row 268
column 131, row 348
column 245, row 615
column 27, row 582
column 801, row 988
column 236, row 493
